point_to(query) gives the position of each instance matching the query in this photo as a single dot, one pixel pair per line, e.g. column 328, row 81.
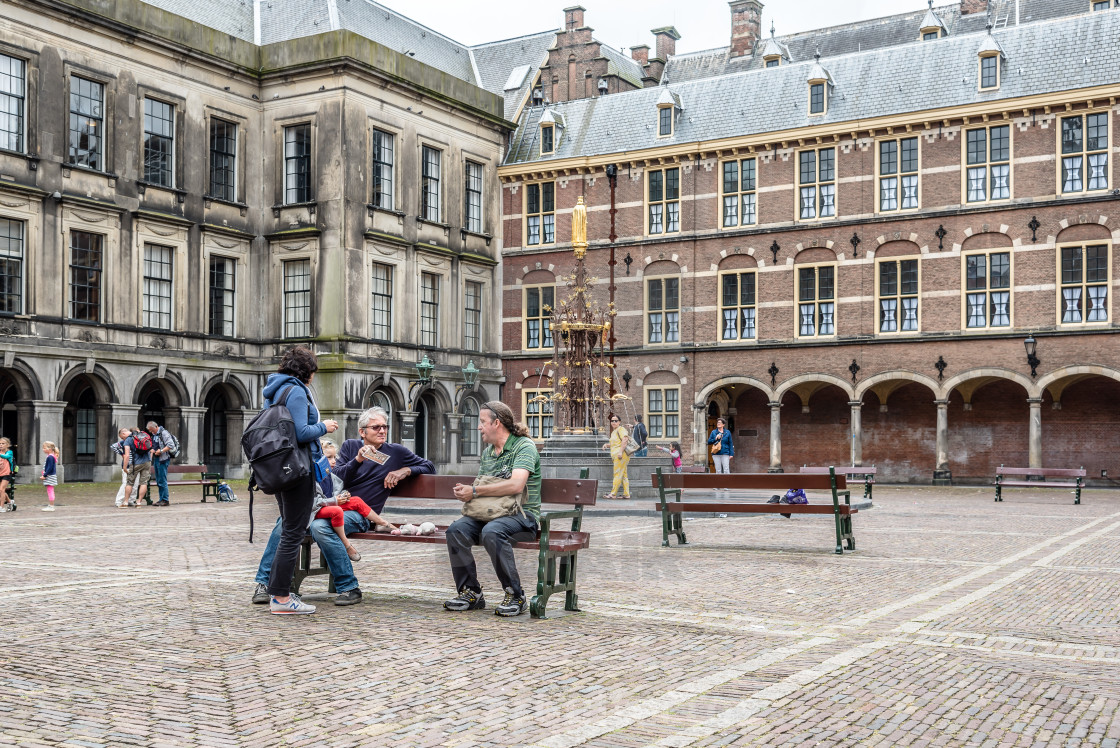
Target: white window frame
column 543, row 318
column 819, row 187
column 663, row 324
column 824, row 308
column 745, row 310
column 667, row 208
column 149, row 122
column 989, row 166
column 897, row 178
column 658, row 413
column 546, row 219
column 821, row 84
column 1084, row 285
column 1085, row 155
column 297, row 159
column 232, row 322
column 995, row 308
column 899, row 297
column 741, row 203
column 468, row 311
column 995, row 59
column 539, row 416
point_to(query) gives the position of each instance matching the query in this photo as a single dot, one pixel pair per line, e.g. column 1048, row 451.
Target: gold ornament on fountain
column 579, row 229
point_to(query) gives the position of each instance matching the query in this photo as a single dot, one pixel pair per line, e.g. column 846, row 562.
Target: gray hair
column 149, row 424
column 366, row 417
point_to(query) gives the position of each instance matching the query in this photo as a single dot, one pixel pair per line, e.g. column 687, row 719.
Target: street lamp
column 470, row 377
column 1032, row 360
column 423, row 377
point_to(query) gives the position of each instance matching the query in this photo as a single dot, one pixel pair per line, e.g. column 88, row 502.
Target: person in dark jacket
column 297, row 369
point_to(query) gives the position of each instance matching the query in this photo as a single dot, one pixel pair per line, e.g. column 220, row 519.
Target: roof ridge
column 513, row 39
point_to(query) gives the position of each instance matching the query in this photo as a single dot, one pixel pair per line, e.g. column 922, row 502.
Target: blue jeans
column 643, row 452
column 159, row 471
column 496, row 535
column 330, row 547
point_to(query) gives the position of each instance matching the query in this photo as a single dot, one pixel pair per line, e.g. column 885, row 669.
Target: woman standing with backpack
column 289, row 385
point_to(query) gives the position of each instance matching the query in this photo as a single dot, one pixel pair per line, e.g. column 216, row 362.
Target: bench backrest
column 848, row 470
column 577, row 492
column 1043, row 472
column 188, row 469
column 768, row 481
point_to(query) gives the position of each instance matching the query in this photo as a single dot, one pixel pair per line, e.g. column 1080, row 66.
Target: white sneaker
column 48, row 509
column 294, row 606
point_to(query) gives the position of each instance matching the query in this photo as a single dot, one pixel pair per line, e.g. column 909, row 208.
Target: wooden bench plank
column 736, row 481
column 753, row 508
column 852, row 473
column 1078, row 474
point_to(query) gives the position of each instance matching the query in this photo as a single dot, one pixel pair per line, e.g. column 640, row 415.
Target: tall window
column 989, row 71
column 548, row 142
column 222, row 289
column 540, row 213
column 1084, row 284
column 898, row 296
column 739, row 198
column 665, row 121
column 297, row 164
column 663, row 411
column 87, row 118
column 737, row 305
column 11, row 266
column 538, row 316
column 989, row 163
column 381, row 283
column 817, row 101
column 468, row 429
column 85, row 441
column 988, row 287
column 429, row 310
column 1085, row 153
column 665, row 201
column 85, row 276
column 223, row 160
column 297, row 299
column 157, row 286
column 538, row 413
column 382, row 170
column 472, row 317
column 13, row 92
column 663, row 310
column 816, row 296
column 159, row 143
column 218, row 430
column 817, row 171
column 898, row 174
column 473, row 207
column 430, row 179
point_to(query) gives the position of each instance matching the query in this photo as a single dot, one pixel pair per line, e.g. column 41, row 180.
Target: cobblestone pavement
column 957, row 622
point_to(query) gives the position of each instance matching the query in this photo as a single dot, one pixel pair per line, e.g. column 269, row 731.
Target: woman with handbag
column 289, row 385
column 621, row 447
column 722, row 447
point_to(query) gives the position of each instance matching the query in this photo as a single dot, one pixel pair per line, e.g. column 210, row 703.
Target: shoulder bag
column 486, row 508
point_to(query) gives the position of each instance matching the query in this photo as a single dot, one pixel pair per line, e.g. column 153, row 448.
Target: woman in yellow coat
column 617, row 445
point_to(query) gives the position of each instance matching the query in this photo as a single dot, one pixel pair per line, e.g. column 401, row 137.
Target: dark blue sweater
column 366, row 480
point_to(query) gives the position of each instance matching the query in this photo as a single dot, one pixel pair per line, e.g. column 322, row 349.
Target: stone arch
column 100, row 379
column 968, row 382
column 532, row 276
column 236, row 394
column 172, row 386
column 986, row 240
column 889, row 381
column 390, row 387
column 742, row 261
column 809, row 255
column 806, row 384
column 1056, row 382
column 896, row 248
column 1083, row 232
column 662, row 266
column 24, row 379
column 706, row 392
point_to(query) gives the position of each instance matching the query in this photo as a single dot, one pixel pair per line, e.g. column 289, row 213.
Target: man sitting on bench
column 370, row 468
column 510, row 466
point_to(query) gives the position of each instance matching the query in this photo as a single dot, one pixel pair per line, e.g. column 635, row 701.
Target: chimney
column 666, row 41
column 746, row 26
column 969, row 7
column 641, row 54
column 573, row 17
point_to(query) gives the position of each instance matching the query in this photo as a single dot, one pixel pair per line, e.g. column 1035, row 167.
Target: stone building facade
column 841, row 240
column 188, row 189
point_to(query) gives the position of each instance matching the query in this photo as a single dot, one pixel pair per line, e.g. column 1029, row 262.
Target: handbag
column 632, row 446
column 716, row 448
column 486, row 508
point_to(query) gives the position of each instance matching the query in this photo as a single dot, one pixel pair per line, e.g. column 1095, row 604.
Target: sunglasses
column 376, row 428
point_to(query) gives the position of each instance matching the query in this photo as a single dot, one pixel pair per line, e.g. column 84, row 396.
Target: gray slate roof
column 496, row 60
column 1040, row 58
column 233, row 17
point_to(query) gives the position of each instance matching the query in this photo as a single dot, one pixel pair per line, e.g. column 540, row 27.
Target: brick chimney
column 746, row 26
column 573, row 17
column 666, row 41
column 969, row 7
column 641, row 54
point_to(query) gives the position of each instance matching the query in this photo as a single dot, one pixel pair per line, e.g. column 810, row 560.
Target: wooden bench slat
column 737, row 481
column 558, row 540
column 572, row 492
column 701, row 506
column 1037, row 484
column 1044, row 473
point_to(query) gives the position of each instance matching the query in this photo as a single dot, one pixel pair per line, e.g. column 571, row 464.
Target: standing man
column 137, row 464
column 641, row 436
column 369, row 468
column 165, row 446
column 511, row 457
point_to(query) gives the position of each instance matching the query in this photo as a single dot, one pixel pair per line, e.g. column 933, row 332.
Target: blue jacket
column 50, row 466
column 301, row 405
column 726, row 448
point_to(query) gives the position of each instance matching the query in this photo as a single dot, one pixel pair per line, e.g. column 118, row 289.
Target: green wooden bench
column 852, row 473
column 671, row 488
column 557, row 550
column 1076, row 484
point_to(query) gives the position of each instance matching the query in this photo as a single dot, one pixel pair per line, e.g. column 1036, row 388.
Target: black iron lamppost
column 1032, row 360
column 423, row 377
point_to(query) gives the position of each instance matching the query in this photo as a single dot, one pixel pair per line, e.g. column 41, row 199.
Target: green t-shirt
column 518, row 452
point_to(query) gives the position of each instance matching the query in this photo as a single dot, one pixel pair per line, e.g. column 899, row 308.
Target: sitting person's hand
column 343, row 497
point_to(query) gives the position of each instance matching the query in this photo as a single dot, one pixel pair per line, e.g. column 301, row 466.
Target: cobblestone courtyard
column 958, row 621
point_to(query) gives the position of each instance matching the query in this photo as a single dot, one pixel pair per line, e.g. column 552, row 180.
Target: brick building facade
column 840, row 240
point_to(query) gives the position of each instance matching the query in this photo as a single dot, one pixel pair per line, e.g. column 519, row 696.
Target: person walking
column 50, row 473
column 722, row 447
column 620, row 459
column 165, row 446
column 136, row 461
column 291, row 384
column 117, row 448
column 641, row 436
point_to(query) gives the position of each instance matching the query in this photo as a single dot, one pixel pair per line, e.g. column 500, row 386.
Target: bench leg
column 839, row 533
column 546, row 581
column 303, row 564
column 1077, row 495
column 999, row 489
column 571, row 600
column 849, row 534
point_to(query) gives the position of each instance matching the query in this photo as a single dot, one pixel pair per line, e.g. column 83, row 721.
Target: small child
column 50, row 473
column 330, row 451
column 347, row 503
column 674, row 451
column 7, row 460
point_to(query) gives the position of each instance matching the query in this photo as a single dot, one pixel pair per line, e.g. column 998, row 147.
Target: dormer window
column 773, row 62
column 552, row 126
column 774, row 51
column 991, row 54
column 1103, row 4
column 929, row 36
column 819, row 84
column 548, row 140
column 932, row 26
column 664, row 121
column 817, row 98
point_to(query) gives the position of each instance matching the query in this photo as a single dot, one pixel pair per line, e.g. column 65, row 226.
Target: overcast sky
column 703, row 24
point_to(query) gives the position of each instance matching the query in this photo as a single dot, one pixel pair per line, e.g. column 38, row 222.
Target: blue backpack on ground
column 225, row 493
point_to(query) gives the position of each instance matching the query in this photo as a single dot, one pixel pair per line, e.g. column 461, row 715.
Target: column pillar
column 775, row 438
column 407, row 428
column 942, row 475
column 699, row 435
column 48, row 417
column 235, row 429
column 1034, row 440
column 454, row 424
column 26, row 447
column 124, row 415
column 857, row 432
column 190, row 435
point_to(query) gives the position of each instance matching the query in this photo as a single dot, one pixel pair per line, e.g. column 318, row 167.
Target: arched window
column 380, row 400
column 468, row 437
column 86, row 444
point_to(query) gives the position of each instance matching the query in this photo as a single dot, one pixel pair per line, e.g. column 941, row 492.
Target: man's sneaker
column 161, row 502
column 294, row 606
column 466, row 600
column 260, row 594
column 350, row 597
column 513, row 604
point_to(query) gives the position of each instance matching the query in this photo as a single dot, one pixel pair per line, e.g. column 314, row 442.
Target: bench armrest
column 576, row 515
column 211, row 476
column 549, row 516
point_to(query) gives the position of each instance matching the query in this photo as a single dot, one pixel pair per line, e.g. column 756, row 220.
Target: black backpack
column 277, row 462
